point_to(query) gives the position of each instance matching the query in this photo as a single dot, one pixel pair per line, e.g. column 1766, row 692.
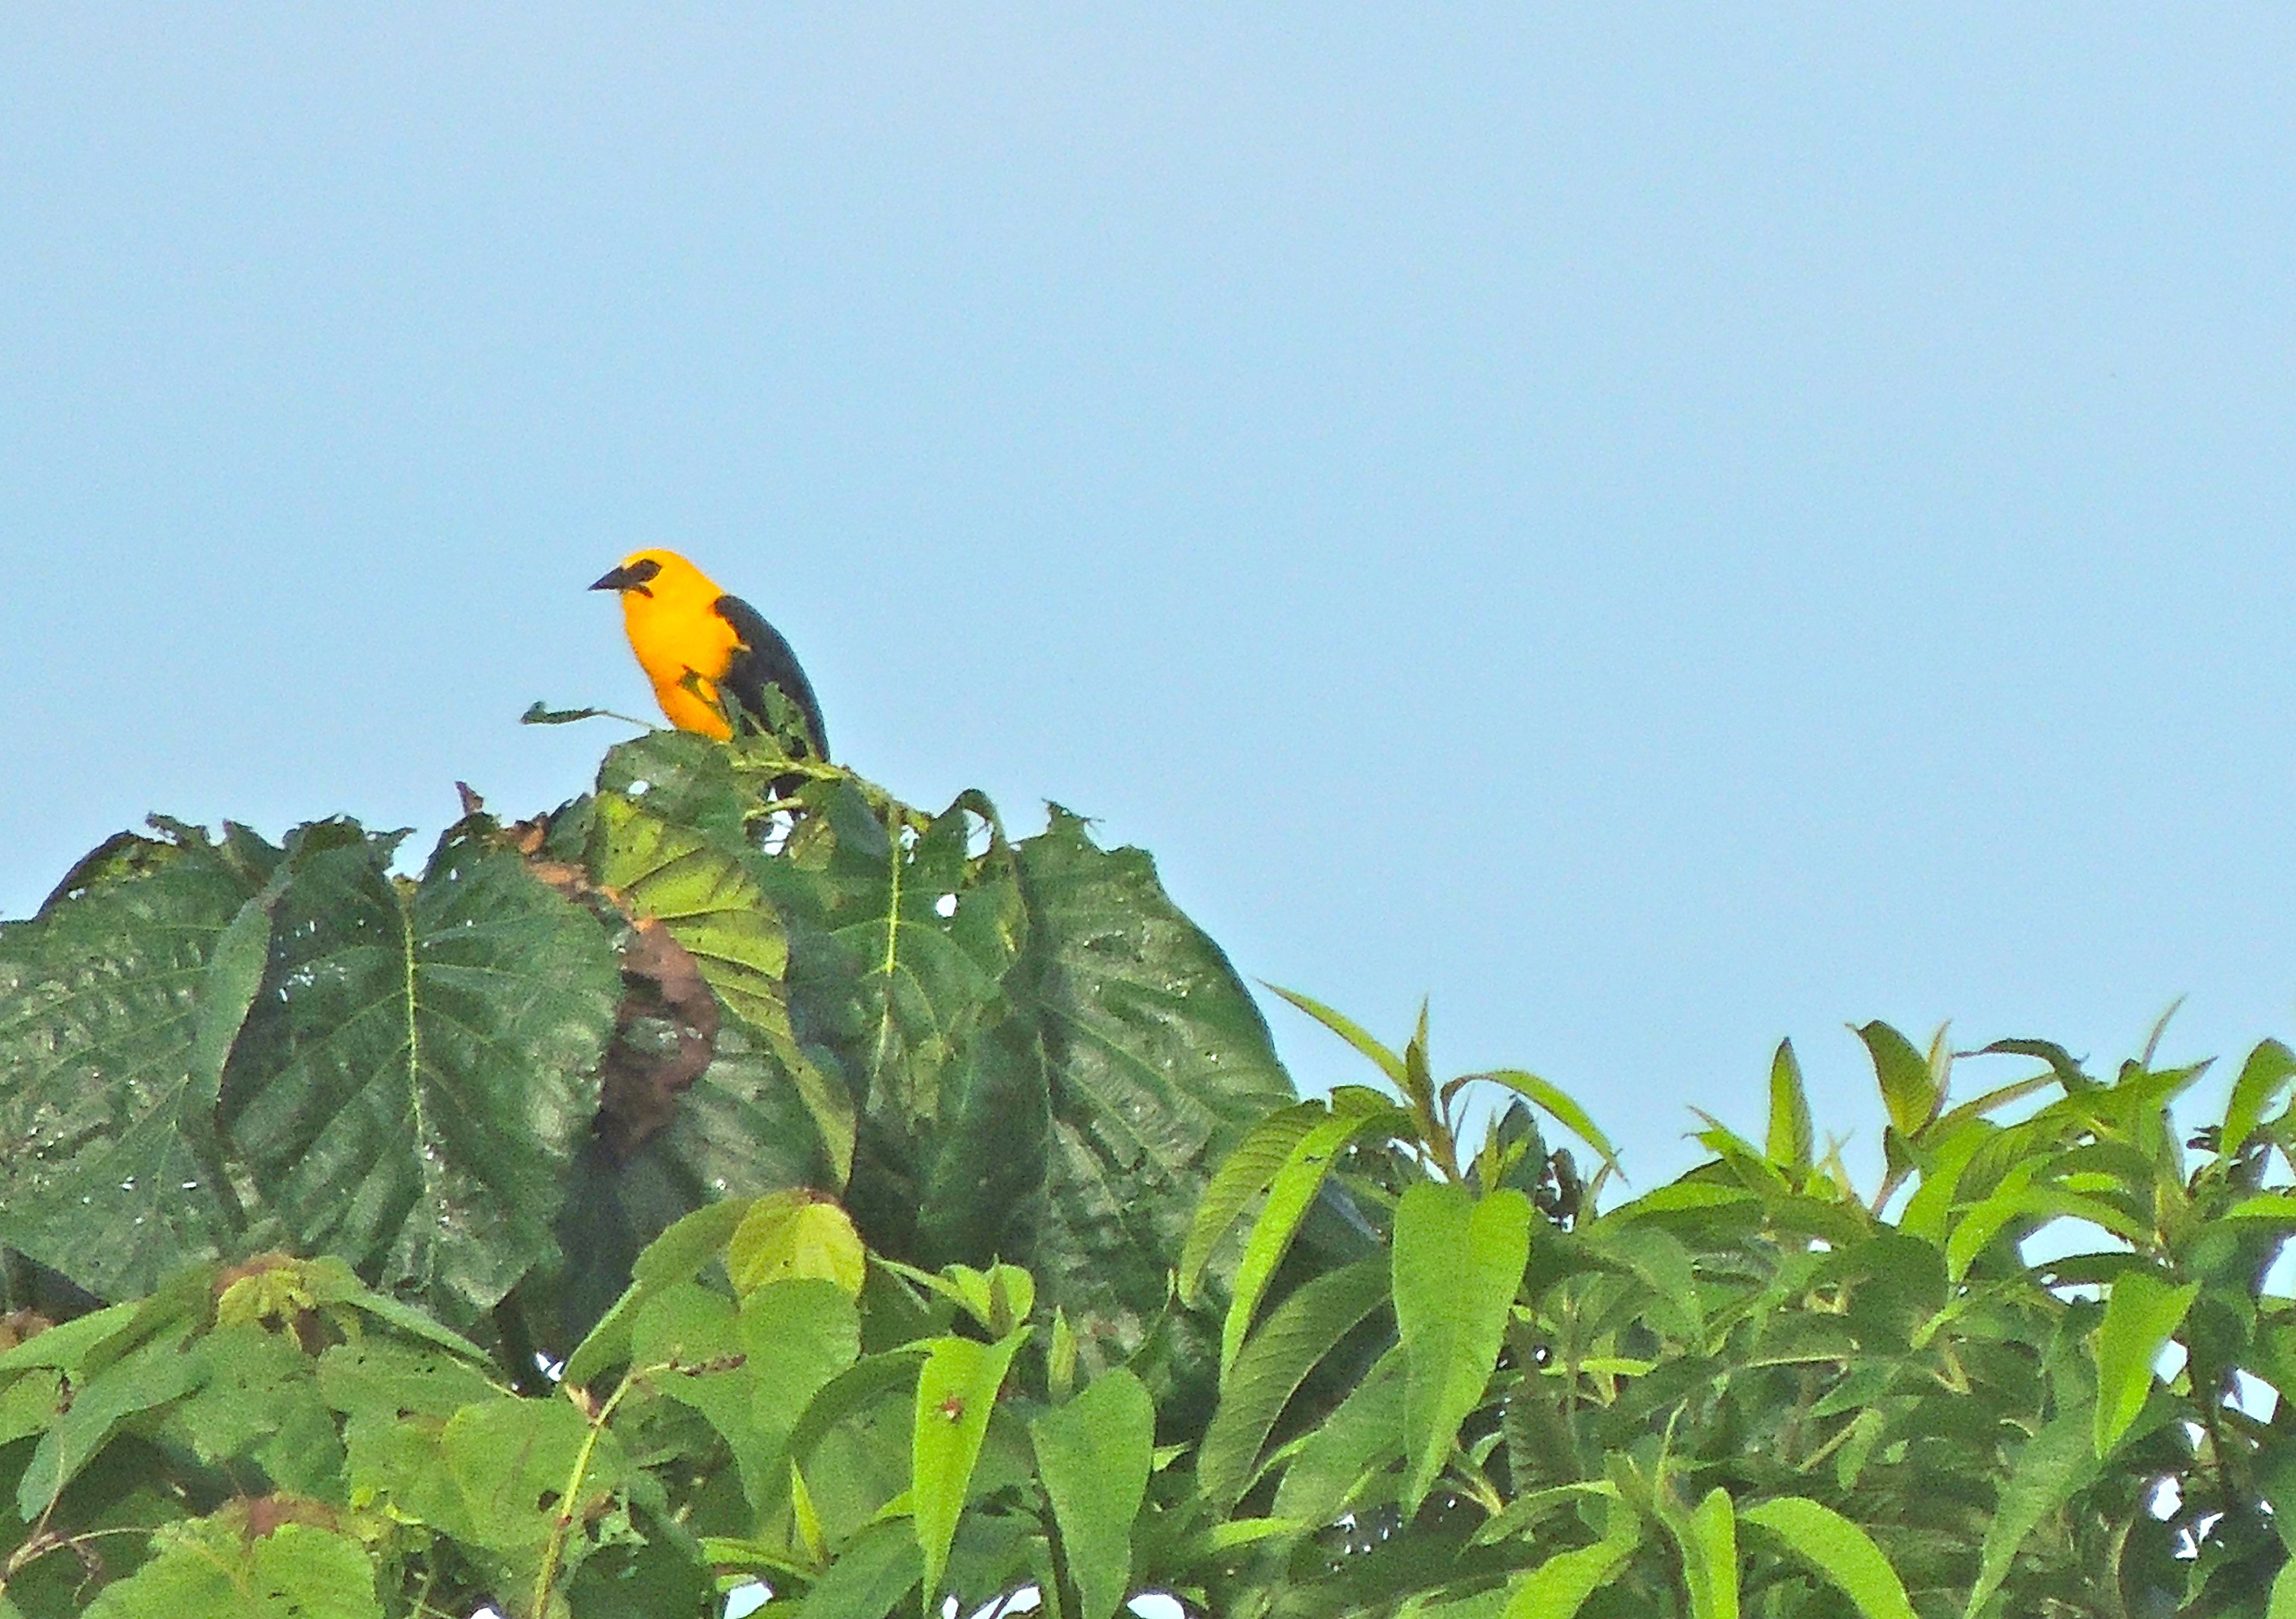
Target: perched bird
column 701, row 648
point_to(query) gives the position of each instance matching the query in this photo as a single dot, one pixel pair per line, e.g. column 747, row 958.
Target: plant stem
column 569, row 1497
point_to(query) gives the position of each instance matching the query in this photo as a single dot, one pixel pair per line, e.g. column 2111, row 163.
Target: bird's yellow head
column 659, row 575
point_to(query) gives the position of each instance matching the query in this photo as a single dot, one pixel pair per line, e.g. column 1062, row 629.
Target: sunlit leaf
column 1458, row 1261
column 956, row 1391
column 1837, row 1549
column 1093, row 1455
column 2142, row 1314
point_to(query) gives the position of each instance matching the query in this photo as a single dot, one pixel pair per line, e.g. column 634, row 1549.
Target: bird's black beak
column 619, row 579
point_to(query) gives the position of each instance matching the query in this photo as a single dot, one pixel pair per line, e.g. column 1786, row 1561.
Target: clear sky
column 1662, row 528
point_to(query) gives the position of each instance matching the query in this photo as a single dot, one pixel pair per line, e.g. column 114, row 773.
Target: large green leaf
column 152, row 1376
column 1458, row 1261
column 922, row 933
column 1159, row 1064
column 697, row 881
column 213, row 1569
column 420, row 1064
column 907, row 939
column 119, row 1004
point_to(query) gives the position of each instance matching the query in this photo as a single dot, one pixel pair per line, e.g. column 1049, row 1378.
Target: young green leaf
column 2263, row 1078
column 1293, row 1189
column 1297, row 1334
column 1558, row 1587
column 1909, row 1089
column 2140, row 1318
column 1837, row 1549
column 956, row 1391
column 1791, row 1139
column 1709, row 1539
column 1348, row 1029
column 1094, row 1455
column 793, row 1235
column 1458, row 1261
column 798, row 1336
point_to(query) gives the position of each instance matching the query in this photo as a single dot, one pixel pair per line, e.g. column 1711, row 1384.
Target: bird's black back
column 764, row 659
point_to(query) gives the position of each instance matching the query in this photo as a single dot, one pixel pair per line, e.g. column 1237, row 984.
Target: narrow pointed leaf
column 1362, row 1438
column 1276, row 1360
column 1791, row 1139
column 1558, row 1587
column 1557, row 1103
column 1709, row 1557
column 1242, row 1175
column 2139, row 1319
column 1290, row 1193
column 1388, row 1062
column 2054, row 1464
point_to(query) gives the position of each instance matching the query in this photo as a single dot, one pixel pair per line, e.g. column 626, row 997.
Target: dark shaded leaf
column 118, row 1007
column 418, row 1068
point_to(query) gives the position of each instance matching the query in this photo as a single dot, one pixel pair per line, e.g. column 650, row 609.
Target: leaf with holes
column 420, row 1064
column 1158, row 1064
column 118, row 1005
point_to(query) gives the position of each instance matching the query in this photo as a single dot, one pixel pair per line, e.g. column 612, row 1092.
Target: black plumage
column 764, row 659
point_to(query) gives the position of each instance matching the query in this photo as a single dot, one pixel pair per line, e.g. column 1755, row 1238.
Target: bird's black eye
column 639, row 573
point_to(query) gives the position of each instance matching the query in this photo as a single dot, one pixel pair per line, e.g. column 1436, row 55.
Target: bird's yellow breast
column 682, row 643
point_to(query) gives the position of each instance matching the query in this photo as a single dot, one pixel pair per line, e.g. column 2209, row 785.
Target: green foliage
column 913, row 1213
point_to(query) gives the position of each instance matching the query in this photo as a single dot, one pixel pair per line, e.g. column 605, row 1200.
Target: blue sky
column 1660, row 529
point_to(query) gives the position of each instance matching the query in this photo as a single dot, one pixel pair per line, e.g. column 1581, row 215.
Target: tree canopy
column 739, row 1177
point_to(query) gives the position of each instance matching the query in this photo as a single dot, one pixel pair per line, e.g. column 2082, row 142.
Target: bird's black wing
column 764, row 659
